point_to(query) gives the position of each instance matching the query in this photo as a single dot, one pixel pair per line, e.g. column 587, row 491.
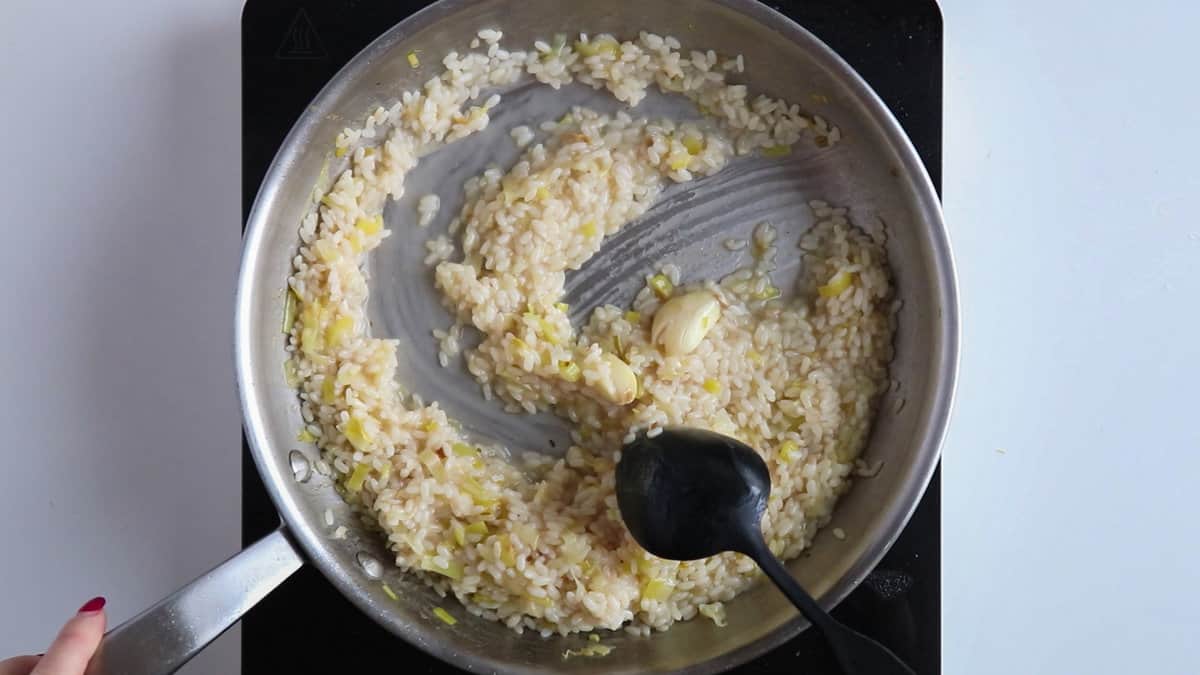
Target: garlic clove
column 682, row 322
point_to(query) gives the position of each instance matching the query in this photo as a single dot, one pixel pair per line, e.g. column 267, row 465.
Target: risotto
column 533, row 540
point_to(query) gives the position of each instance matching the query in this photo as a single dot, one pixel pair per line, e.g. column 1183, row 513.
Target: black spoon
column 688, row 494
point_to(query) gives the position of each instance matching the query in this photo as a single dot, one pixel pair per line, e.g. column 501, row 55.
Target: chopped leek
column 574, row 549
column 453, row 569
column 569, row 371
column 444, row 616
column 544, row 328
column 589, row 650
column 528, row 534
column 657, row 589
column 337, row 332
column 587, row 49
column 357, row 434
column 507, row 556
column 311, row 337
column 355, row 482
column 289, row 373
column 837, row 284
column 768, row 293
column 369, row 226
column 289, row 311
column 478, row 493
column 326, row 250
column 432, row 463
column 560, row 42
column 777, row 151
column 661, row 285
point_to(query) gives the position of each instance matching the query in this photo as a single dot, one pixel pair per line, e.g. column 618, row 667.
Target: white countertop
column 1072, row 140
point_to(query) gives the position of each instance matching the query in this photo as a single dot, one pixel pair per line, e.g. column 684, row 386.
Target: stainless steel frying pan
column 874, row 170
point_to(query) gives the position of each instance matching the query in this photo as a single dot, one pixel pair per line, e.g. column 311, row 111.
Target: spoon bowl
column 686, row 494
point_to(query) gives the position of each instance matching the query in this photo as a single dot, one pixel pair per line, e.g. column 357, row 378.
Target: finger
column 76, row 642
column 18, row 665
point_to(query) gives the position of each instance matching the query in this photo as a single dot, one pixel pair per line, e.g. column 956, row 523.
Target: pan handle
column 163, row 638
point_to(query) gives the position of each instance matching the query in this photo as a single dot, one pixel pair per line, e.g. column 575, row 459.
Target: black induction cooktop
column 291, row 48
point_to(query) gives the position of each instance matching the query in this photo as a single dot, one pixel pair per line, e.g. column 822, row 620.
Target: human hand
column 71, row 650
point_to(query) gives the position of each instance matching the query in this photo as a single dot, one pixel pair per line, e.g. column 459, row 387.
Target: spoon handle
column 856, row 653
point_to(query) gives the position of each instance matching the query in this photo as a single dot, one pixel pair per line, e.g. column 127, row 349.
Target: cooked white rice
column 427, row 208
column 541, row 545
column 522, row 135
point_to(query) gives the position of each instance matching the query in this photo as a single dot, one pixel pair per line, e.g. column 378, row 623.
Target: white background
column 1072, row 168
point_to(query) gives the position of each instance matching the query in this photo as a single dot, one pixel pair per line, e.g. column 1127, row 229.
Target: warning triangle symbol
column 301, row 42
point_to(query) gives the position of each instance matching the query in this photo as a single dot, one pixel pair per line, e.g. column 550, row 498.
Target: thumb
column 76, row 642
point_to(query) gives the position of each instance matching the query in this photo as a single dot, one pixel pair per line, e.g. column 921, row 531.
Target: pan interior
column 687, row 227
column 873, row 171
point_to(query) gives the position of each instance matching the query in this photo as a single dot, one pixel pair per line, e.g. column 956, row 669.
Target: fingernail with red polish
column 93, row 605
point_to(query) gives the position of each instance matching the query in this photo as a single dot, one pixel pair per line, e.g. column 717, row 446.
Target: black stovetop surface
column 291, row 48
